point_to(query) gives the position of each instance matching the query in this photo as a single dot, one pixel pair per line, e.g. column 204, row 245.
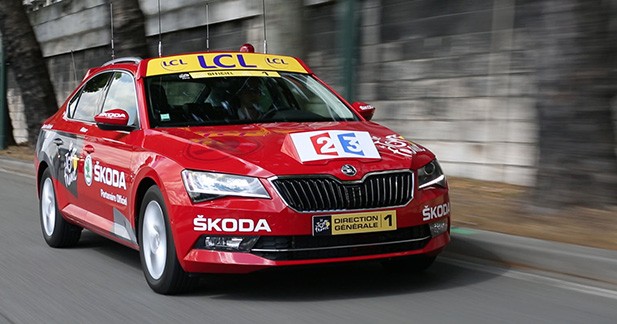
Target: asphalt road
column 101, row 282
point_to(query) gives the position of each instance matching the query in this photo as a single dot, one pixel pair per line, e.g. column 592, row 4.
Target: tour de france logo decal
column 322, row 225
column 397, row 145
column 70, row 165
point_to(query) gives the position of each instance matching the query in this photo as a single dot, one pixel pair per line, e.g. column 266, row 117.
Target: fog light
column 228, row 243
column 439, row 227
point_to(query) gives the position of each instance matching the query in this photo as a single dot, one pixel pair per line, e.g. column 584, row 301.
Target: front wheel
column 57, row 232
column 157, row 249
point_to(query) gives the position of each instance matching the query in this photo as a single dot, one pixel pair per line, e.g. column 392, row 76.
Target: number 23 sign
column 324, row 145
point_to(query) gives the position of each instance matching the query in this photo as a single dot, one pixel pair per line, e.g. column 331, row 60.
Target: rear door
column 68, row 136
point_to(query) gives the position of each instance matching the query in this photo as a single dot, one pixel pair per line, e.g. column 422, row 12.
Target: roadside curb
column 18, row 166
column 587, row 263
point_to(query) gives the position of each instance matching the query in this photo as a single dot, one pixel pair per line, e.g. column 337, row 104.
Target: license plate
column 354, row 223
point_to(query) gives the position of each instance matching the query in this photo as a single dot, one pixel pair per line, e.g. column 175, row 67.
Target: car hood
column 266, row 150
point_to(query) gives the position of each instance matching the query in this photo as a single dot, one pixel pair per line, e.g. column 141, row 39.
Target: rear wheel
column 157, row 249
column 56, row 230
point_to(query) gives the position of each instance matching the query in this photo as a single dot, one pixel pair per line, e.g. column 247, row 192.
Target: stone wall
column 452, row 75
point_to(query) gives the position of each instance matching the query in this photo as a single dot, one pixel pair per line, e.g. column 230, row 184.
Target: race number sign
column 332, row 144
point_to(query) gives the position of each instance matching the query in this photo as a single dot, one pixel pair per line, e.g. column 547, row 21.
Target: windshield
column 207, row 98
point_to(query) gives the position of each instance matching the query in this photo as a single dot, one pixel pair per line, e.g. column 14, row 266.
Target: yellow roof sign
column 223, row 62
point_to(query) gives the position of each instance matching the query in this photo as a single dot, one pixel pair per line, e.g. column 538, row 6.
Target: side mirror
column 365, row 110
column 115, row 119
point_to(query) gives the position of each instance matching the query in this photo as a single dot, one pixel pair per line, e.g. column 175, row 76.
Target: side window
column 72, row 105
column 90, row 98
column 122, row 95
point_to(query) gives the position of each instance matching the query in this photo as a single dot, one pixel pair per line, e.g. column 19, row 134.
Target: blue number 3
column 350, row 143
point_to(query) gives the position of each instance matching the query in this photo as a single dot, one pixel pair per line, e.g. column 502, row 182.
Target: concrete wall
column 452, row 75
column 455, row 76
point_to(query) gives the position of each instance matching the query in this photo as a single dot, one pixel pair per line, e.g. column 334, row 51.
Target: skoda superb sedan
column 233, row 162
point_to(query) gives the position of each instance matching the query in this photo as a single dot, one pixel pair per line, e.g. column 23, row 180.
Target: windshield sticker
column 397, row 145
column 326, row 145
column 214, row 74
column 223, row 62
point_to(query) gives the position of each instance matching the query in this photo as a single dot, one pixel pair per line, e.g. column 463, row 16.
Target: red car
column 232, row 162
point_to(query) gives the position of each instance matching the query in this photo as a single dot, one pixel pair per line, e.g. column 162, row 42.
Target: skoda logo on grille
column 349, row 170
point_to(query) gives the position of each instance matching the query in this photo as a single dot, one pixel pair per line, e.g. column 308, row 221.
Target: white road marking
column 536, row 278
column 17, row 173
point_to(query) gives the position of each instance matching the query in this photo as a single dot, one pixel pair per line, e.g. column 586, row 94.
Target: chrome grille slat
column 341, row 196
column 298, row 194
column 395, row 183
column 383, row 189
column 316, row 193
column 409, row 187
column 326, row 194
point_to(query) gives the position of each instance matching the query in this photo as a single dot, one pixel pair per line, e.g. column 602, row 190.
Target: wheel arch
column 40, row 170
column 142, row 188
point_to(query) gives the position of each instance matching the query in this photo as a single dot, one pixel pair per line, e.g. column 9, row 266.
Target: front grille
column 337, row 246
column 326, row 193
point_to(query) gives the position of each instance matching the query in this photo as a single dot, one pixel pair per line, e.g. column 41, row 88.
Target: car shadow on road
column 343, row 281
column 320, row 282
column 114, row 250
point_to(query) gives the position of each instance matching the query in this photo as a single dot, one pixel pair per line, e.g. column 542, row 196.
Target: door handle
column 58, row 141
column 88, row 149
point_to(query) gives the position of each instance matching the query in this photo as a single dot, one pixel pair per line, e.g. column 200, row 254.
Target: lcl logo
column 173, row 65
column 276, row 60
column 224, row 61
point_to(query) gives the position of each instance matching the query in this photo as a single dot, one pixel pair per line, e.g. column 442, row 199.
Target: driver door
column 108, row 171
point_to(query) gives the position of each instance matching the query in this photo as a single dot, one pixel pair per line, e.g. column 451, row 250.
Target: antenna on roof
column 74, row 68
column 207, row 26
column 111, row 14
column 263, row 5
column 160, row 40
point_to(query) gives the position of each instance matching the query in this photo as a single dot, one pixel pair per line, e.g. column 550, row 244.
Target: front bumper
column 200, row 261
column 289, row 240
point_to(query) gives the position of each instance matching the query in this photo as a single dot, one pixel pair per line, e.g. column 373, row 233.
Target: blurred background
column 511, row 91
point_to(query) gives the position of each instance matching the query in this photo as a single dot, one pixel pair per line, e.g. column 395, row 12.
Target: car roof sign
column 224, row 61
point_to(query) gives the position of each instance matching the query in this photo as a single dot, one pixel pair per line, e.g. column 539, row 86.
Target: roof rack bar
column 135, row 60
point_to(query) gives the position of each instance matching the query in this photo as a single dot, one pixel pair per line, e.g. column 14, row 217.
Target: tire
column 57, row 232
column 413, row 264
column 157, row 250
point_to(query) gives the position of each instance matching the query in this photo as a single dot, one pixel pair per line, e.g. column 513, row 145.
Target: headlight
column 431, row 175
column 207, row 185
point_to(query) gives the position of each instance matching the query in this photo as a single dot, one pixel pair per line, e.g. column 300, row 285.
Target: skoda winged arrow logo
column 349, row 170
